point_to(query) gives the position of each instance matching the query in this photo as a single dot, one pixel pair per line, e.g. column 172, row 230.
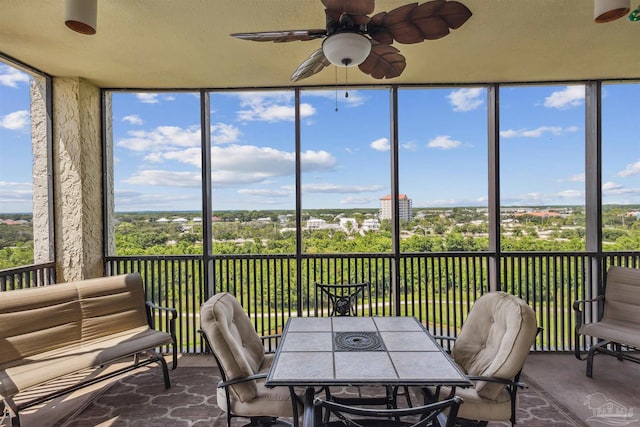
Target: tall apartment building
column 404, row 204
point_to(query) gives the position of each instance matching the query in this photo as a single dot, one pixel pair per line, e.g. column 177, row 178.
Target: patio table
column 360, row 351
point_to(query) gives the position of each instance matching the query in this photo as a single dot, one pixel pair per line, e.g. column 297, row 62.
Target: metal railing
column 29, row 276
column 437, row 288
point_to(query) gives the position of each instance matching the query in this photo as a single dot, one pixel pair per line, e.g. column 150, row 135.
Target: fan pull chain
column 336, row 74
column 346, row 82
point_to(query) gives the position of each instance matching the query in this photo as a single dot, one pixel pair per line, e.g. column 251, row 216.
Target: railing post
column 395, row 209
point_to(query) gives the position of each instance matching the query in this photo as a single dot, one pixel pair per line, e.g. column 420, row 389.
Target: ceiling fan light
column 81, row 15
column 610, row 10
column 346, row 49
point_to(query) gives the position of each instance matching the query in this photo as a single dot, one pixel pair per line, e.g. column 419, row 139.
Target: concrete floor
column 560, row 375
column 563, row 377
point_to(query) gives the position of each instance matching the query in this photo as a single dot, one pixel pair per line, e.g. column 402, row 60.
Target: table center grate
column 358, row 341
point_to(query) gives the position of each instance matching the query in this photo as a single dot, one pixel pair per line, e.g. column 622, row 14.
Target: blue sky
column 345, row 153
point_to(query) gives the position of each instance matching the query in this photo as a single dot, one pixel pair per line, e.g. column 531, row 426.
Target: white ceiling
column 186, row 44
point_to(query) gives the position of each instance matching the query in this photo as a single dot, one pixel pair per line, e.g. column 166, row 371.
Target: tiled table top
column 402, row 352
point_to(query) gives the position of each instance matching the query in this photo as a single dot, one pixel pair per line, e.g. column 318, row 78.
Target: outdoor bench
column 52, row 331
column 620, row 322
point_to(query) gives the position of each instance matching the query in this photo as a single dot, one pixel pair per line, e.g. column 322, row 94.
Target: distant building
column 404, row 203
column 370, row 225
column 320, row 224
column 315, row 224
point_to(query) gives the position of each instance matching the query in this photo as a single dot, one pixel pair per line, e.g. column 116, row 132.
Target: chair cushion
column 622, row 296
column 268, row 402
column 495, row 340
column 613, row 330
column 476, row 407
column 234, row 341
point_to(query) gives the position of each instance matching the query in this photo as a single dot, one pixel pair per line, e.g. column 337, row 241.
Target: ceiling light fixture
column 81, row 15
column 635, row 15
column 610, row 10
column 346, row 49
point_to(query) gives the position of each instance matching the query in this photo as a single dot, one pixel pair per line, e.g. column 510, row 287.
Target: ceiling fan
column 353, row 38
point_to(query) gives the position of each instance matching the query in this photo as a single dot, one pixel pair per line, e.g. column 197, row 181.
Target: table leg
column 309, row 416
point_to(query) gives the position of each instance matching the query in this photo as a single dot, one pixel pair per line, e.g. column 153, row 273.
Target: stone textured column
column 108, row 175
column 43, row 250
column 77, row 158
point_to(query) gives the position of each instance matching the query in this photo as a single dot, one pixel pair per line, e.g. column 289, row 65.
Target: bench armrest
column 578, row 303
column 172, row 315
column 578, row 307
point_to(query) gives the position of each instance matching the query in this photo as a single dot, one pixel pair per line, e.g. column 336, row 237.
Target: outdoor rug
column 141, row 400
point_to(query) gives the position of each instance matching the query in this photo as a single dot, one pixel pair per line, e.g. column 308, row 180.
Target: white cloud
column 188, row 156
column 147, row 98
column 18, row 193
column 409, row 146
column 222, row 133
column 612, row 189
column 538, row 132
column 16, row 120
column 312, row 161
column 570, row 194
column 264, row 193
column 570, row 96
column 611, row 186
column 466, row 99
column 165, row 178
column 338, row 188
column 381, row 144
column 355, row 98
column 579, row 177
column 132, row 119
column 163, row 137
column 246, row 164
column 132, row 200
column 359, row 201
column 10, row 76
column 444, row 142
column 271, row 107
column 631, row 169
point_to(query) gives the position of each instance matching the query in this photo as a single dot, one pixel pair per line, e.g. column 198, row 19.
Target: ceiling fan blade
column 384, row 62
column 282, row 36
column 350, row 7
column 455, row 14
column 312, row 65
column 413, row 23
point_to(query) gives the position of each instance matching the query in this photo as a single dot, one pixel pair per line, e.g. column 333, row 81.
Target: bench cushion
column 44, row 367
column 51, row 331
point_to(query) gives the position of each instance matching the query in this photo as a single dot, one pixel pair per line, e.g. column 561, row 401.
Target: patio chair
column 620, row 321
column 341, row 299
column 244, row 365
column 491, row 349
column 339, row 415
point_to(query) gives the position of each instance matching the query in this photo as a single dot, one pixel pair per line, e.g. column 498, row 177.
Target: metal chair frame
column 342, row 298
column 424, row 415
